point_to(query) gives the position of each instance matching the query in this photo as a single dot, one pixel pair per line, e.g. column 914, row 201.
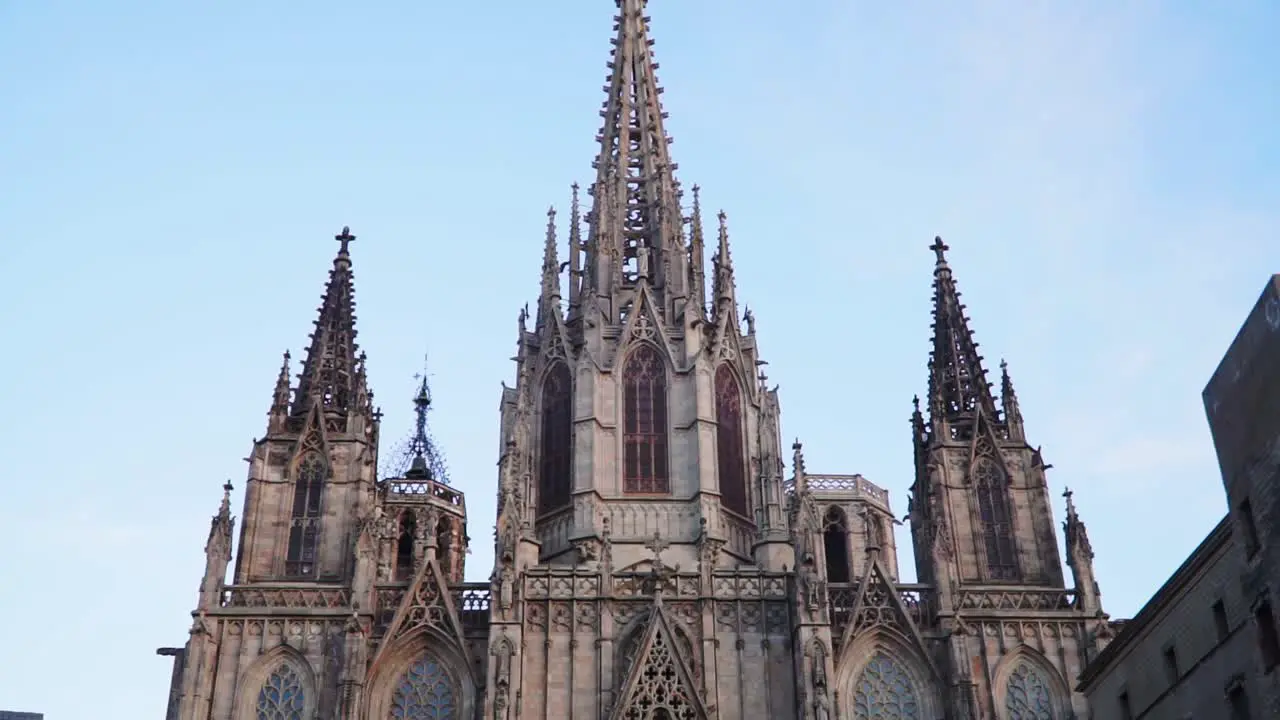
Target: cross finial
column 939, row 248
column 656, row 545
column 227, row 487
column 345, row 239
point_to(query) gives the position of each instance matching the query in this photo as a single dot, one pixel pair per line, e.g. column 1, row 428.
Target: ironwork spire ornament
column 635, row 217
column 958, row 387
column 329, row 373
column 421, row 458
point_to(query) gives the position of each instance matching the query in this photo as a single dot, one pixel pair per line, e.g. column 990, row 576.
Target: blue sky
column 171, row 177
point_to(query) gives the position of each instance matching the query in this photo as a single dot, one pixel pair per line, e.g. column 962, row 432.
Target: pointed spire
column 797, row 466
column 1009, row 404
column 425, row 462
column 549, row 300
column 329, row 371
column 575, row 252
column 726, row 302
column 635, row 219
column 1077, row 534
column 697, row 255
column 958, row 387
column 278, row 415
column 221, row 526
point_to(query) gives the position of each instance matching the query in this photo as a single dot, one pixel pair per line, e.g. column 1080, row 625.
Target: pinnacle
column 329, row 373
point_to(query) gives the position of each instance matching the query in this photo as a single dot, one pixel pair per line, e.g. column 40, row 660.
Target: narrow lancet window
column 835, row 542
column 997, row 523
column 304, row 527
column 404, row 546
column 557, row 426
column 645, row 423
column 729, row 439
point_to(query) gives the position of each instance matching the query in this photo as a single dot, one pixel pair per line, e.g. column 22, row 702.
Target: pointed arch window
column 425, row 692
column 1027, row 695
column 730, row 457
column 885, row 691
column 304, row 526
column 281, row 696
column 404, row 546
column 557, row 429
column 835, row 543
column 996, row 520
column 644, row 399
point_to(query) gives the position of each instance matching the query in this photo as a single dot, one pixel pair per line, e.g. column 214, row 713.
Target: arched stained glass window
column 281, row 696
column 644, row 398
column 885, row 692
column 729, row 455
column 557, row 429
column 997, row 522
column 425, row 692
column 1026, row 695
column 304, row 528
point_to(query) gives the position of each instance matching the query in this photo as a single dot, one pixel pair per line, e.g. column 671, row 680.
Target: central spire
column 958, row 386
column 636, row 220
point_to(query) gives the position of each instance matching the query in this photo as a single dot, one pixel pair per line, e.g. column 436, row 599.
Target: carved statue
column 810, row 584
column 500, row 702
column 506, row 587
column 642, row 261
column 822, row 707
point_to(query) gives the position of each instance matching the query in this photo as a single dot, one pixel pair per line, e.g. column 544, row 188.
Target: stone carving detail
column 268, row 597
column 659, row 684
column 1014, row 599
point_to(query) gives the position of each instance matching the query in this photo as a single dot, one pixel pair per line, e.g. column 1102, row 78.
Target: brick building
column 1206, row 644
column 653, row 556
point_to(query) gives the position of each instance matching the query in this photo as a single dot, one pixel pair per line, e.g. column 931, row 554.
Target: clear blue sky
column 171, row 178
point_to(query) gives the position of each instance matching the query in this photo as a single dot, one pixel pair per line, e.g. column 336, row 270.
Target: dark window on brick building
column 1248, row 527
column 1220, row 620
column 1268, row 639
column 1239, row 703
column 1171, row 664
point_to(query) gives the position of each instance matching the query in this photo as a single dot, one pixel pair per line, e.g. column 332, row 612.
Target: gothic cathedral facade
column 653, row 558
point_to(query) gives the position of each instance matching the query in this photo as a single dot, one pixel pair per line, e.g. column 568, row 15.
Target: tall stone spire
column 697, row 255
column 726, row 296
column 330, row 373
column 549, row 298
column 635, row 233
column 958, row 387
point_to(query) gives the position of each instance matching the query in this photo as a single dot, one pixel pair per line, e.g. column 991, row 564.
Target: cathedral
column 654, row 557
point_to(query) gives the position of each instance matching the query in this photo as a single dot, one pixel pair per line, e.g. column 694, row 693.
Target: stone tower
column 1011, row 637
column 641, row 475
column 348, row 598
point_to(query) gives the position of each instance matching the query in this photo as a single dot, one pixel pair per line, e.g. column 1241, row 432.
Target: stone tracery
column 1027, row 695
column 281, row 696
column 885, row 691
column 424, row 692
